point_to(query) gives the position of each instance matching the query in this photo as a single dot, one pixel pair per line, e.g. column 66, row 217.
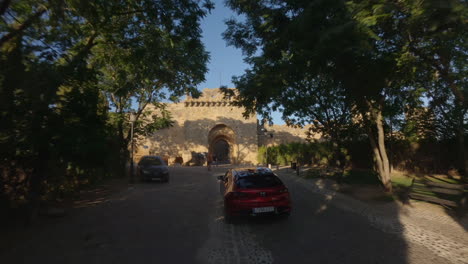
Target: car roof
column 151, row 156
column 245, row 172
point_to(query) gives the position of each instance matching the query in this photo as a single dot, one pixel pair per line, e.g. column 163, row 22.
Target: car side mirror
column 220, row 178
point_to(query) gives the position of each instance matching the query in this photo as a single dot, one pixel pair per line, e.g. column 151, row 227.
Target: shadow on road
column 329, row 227
column 182, row 222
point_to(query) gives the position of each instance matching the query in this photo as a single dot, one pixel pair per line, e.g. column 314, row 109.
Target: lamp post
column 271, row 136
column 263, row 132
column 266, row 133
column 132, row 120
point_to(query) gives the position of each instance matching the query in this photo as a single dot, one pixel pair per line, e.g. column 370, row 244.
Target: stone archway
column 221, row 143
column 221, row 151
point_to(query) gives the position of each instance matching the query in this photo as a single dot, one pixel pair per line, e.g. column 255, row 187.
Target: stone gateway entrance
column 221, row 152
column 221, row 141
column 211, row 124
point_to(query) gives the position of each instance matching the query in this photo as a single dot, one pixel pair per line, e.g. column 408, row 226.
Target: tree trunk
column 35, row 190
column 122, row 144
column 340, row 158
column 383, row 151
column 379, row 151
column 463, row 161
column 39, row 172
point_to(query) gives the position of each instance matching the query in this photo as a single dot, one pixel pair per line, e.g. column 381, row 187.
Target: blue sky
column 225, row 61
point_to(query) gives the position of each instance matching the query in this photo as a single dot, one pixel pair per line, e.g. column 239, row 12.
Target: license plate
column 264, row 209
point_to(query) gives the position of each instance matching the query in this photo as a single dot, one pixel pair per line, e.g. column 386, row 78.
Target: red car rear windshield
column 258, row 181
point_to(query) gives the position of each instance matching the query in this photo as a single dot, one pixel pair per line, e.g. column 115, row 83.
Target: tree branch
column 445, row 72
column 140, row 111
column 20, row 28
column 144, row 106
column 4, row 6
column 130, row 12
column 89, row 44
column 114, row 100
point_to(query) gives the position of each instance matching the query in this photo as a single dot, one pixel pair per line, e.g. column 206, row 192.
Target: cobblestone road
column 182, row 222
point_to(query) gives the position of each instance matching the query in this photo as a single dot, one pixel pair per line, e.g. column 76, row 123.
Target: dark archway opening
column 179, row 160
column 221, row 144
column 221, row 150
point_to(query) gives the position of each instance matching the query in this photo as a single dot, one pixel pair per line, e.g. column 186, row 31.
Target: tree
column 428, row 39
column 286, row 42
column 319, row 101
column 157, row 55
column 434, row 35
column 58, row 60
column 374, row 50
column 43, row 53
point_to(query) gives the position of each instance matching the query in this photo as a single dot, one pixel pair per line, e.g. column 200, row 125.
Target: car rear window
column 150, row 161
column 258, row 181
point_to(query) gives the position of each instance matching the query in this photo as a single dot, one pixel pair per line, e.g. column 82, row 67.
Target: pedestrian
column 209, row 160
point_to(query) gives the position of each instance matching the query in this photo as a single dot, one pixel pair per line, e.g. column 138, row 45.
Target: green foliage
column 70, row 71
column 424, row 155
column 350, row 65
column 151, row 54
column 321, row 62
column 402, row 181
column 317, row 153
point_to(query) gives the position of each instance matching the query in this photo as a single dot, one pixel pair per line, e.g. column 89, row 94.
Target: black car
column 153, row 168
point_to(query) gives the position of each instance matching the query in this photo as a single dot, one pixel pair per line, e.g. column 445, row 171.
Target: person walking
column 209, row 160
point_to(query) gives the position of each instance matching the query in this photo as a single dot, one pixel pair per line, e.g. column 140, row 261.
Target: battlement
column 212, row 124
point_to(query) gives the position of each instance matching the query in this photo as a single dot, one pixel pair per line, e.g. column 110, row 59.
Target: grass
column 401, row 181
column 443, row 180
column 361, row 177
column 370, row 177
column 358, row 177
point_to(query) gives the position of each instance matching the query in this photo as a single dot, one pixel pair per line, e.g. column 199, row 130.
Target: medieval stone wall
column 283, row 134
column 199, row 123
column 194, row 119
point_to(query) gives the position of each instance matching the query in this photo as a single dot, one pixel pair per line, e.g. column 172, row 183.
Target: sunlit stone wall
column 195, row 118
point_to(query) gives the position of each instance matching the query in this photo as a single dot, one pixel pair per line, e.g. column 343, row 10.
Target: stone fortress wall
column 201, row 124
column 283, row 134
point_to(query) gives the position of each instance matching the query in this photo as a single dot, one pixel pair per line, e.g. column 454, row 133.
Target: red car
column 254, row 192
